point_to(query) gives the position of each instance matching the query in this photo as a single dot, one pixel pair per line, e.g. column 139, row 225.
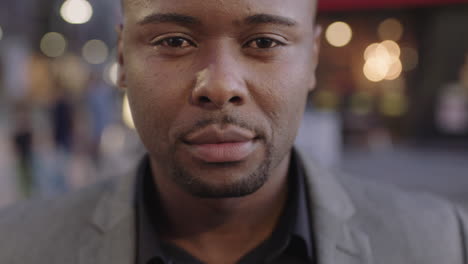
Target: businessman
column 217, row 90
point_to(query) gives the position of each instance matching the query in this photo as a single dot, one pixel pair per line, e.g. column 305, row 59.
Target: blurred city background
column 391, row 102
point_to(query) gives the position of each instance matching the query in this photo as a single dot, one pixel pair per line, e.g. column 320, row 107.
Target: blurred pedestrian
column 23, row 145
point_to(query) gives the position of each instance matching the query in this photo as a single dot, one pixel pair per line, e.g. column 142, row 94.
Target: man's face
column 218, row 87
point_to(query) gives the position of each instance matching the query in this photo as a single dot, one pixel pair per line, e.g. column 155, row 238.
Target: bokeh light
column 382, row 61
column 72, row 73
column 394, row 70
column 390, row 29
column 392, row 48
column 127, row 113
column 111, row 73
column 53, row 44
column 95, row 51
column 76, row 11
column 339, row 34
column 376, row 69
column 371, row 50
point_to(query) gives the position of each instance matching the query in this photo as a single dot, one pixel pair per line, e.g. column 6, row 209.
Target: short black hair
column 123, row 3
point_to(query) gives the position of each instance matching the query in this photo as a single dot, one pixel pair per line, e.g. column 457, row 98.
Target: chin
column 222, row 180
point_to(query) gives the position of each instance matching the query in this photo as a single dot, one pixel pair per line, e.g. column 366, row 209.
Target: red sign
column 340, row 5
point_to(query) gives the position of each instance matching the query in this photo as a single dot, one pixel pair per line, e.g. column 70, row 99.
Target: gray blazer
column 354, row 222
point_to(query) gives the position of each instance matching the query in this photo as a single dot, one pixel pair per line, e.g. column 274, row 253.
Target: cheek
column 155, row 98
column 283, row 96
column 283, row 101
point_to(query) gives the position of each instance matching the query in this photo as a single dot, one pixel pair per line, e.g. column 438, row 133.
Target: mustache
column 224, row 120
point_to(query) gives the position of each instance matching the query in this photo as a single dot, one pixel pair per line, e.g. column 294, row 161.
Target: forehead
column 216, row 11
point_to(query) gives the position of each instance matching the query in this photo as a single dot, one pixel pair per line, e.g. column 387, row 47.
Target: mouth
column 216, row 145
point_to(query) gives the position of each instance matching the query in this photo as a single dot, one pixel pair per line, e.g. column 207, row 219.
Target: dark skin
column 227, row 64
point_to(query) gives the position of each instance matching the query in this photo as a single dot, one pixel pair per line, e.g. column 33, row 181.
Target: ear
column 121, row 80
column 315, row 55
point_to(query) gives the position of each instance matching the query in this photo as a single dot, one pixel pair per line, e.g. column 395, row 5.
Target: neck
column 228, row 225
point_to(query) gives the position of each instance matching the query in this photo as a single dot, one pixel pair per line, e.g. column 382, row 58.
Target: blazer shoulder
column 372, row 195
column 41, row 227
column 413, row 223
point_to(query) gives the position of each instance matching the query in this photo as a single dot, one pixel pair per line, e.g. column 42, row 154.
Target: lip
column 215, row 145
column 216, row 135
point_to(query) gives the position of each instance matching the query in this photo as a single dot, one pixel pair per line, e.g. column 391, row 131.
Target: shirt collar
column 148, row 246
column 301, row 224
column 295, row 219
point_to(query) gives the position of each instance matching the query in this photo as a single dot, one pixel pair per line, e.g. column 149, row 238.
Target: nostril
column 235, row 100
column 204, row 99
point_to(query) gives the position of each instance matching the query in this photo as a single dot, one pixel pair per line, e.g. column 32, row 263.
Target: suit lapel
column 110, row 234
column 337, row 242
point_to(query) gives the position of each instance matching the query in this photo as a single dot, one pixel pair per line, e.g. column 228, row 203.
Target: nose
column 219, row 86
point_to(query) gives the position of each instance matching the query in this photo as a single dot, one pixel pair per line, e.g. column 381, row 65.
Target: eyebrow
column 158, row 18
column 269, row 19
column 181, row 19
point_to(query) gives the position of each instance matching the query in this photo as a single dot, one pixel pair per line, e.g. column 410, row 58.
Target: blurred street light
column 393, row 49
column 339, row 34
column 95, row 51
column 371, row 50
column 391, row 29
column 382, row 61
column 76, row 11
column 376, row 69
column 53, row 44
column 394, row 70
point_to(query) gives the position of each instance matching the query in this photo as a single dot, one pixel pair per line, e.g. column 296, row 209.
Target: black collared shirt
column 290, row 243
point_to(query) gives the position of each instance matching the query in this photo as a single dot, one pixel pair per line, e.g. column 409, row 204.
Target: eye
column 174, row 42
column 263, row 43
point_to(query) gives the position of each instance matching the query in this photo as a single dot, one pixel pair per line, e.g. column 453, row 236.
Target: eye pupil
column 175, row 42
column 264, row 43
